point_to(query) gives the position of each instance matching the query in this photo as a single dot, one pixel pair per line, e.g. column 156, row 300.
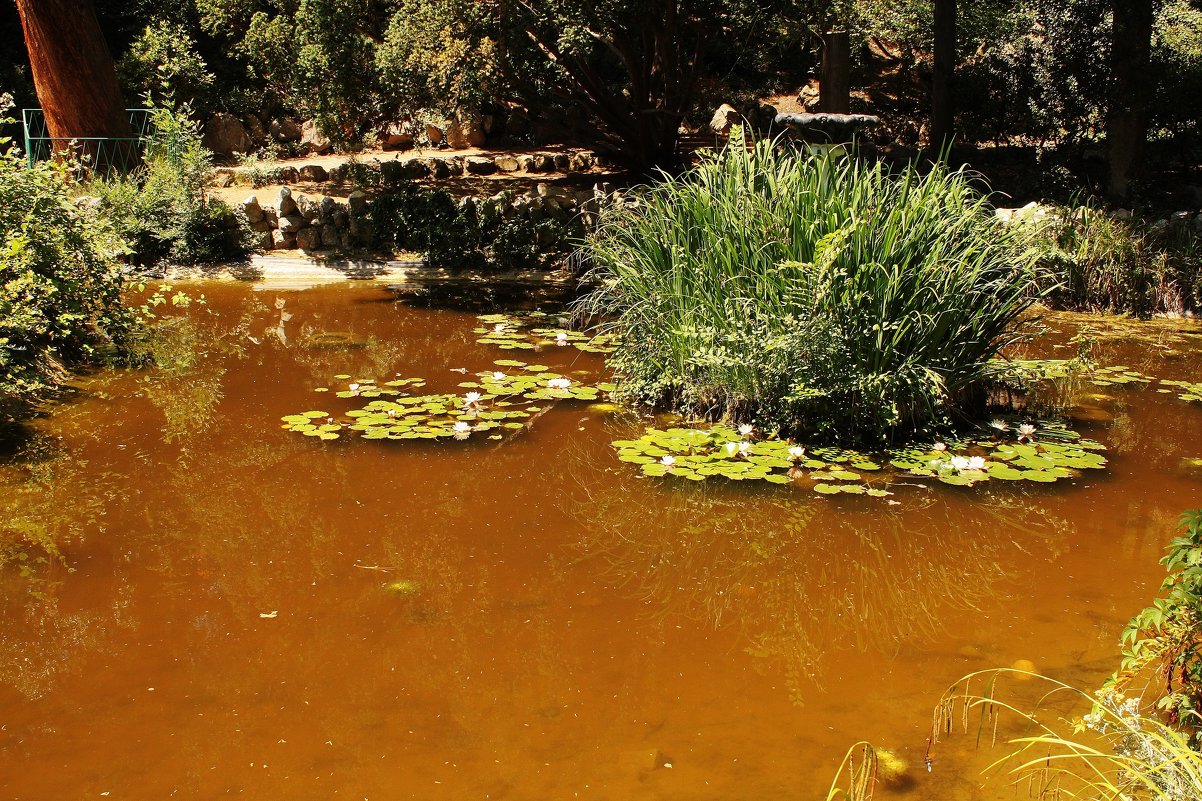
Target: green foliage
column 464, row 235
column 1096, row 261
column 1167, row 636
column 314, row 56
column 436, row 56
column 164, row 61
column 809, row 293
column 161, row 209
column 60, row 285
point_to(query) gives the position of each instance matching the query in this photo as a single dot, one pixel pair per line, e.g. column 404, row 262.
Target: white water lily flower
column 668, row 460
column 498, row 328
column 960, row 462
column 746, row 429
column 744, row 447
column 462, row 427
column 471, row 398
column 498, row 376
column 559, row 383
column 353, row 387
column 976, row 463
column 1000, row 425
column 731, row 447
column 796, row 452
column 392, row 412
column 561, row 338
column 939, row 446
column 1026, row 431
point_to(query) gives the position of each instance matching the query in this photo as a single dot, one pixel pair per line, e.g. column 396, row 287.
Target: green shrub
column 462, row 236
column 1097, row 262
column 161, row 209
column 816, row 294
column 1166, row 637
column 60, row 284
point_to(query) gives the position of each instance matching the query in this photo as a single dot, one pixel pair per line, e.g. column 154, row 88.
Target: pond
column 238, row 610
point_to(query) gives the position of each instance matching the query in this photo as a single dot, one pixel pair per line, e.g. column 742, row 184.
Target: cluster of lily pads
column 1010, row 453
column 497, row 400
column 536, row 330
column 1188, row 391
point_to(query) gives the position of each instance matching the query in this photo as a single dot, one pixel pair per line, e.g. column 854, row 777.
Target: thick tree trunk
column 943, row 73
column 1127, row 115
column 73, row 70
column 834, row 82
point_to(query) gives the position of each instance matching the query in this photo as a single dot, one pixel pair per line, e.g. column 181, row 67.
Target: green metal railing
column 98, row 154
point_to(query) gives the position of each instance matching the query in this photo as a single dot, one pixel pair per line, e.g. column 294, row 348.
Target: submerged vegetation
column 1127, row 745
column 811, row 294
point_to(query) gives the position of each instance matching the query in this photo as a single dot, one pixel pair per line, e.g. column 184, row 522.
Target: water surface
column 217, row 619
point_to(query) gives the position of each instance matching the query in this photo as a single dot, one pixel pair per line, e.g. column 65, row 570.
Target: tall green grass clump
column 814, row 294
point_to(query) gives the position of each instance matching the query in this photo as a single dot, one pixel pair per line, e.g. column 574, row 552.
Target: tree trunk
column 73, row 70
column 943, row 74
column 834, row 81
column 1127, row 115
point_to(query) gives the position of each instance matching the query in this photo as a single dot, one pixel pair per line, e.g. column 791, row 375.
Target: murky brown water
column 218, row 624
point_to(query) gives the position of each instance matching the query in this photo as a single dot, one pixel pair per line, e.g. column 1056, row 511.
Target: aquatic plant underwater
column 1140, row 739
column 810, row 294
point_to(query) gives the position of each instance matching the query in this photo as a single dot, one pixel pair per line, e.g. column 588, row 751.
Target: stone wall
column 294, row 220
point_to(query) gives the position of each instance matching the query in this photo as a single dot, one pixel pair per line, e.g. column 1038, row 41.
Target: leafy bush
column 1098, row 262
column 1166, row 637
column 161, row 209
column 164, row 61
column 60, row 284
column 461, row 236
column 809, row 293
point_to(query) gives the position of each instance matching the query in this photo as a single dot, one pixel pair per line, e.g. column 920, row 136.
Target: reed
column 1119, row 750
column 809, row 293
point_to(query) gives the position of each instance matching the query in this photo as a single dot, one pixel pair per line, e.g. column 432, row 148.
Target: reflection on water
column 255, row 613
column 798, row 583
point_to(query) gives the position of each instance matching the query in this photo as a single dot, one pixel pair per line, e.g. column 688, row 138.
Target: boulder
column 329, row 235
column 284, row 131
column 308, row 207
column 223, row 177
column 313, row 140
column 479, row 165
column 281, row 240
column 287, row 175
column 507, row 163
column 252, row 209
column 436, row 168
column 528, row 163
column 724, row 117
column 284, row 204
column 433, row 134
column 393, row 172
column 358, row 202
column 328, row 206
column 546, row 163
column 313, row 172
column 582, row 162
column 308, row 239
column 465, row 131
column 225, row 135
column 396, row 136
column 291, row 223
column 256, row 130
column 562, row 162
